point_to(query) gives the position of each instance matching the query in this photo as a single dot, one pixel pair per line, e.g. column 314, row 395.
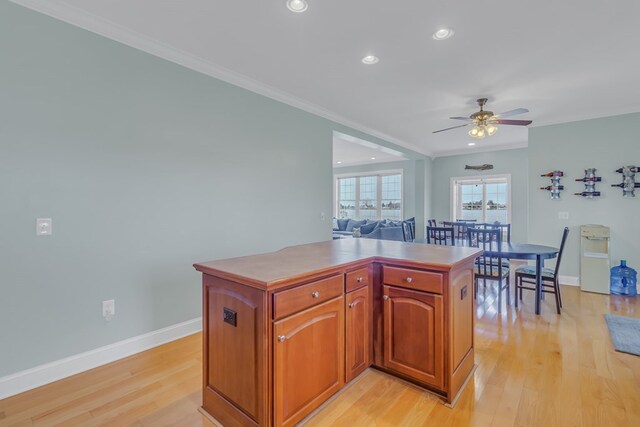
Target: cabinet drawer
column 305, row 296
column 357, row 279
column 413, row 279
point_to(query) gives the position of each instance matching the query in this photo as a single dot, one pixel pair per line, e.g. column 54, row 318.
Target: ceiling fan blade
column 512, row 122
column 512, row 112
column 468, row 119
column 453, row 127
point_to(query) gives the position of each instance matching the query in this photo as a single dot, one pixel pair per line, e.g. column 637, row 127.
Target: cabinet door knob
column 360, row 279
column 281, row 338
column 409, row 279
column 385, row 297
column 315, row 294
column 351, row 305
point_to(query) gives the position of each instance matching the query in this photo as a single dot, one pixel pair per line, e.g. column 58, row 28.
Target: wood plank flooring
column 533, row 370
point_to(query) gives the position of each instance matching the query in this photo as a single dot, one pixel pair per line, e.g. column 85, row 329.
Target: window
column 370, row 196
column 485, row 199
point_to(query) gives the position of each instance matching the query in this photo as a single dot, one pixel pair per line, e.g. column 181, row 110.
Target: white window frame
column 379, row 174
column 455, row 198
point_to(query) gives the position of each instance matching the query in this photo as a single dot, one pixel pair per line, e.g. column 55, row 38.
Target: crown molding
column 476, row 149
column 80, row 18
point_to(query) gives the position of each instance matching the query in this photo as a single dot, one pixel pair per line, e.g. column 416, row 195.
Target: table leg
column 538, row 283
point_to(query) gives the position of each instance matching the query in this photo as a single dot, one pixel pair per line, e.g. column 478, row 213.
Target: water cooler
column 594, row 258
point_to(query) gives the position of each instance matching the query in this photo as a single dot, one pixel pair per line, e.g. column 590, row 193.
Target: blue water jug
column 623, row 280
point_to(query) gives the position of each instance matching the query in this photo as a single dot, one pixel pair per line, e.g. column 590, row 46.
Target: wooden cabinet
column 358, row 332
column 308, row 360
column 284, row 331
column 414, row 334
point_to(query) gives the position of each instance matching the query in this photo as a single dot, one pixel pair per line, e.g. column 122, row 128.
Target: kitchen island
column 284, row 331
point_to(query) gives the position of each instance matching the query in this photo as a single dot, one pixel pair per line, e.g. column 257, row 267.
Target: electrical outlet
column 108, row 309
column 44, row 226
column 563, row 215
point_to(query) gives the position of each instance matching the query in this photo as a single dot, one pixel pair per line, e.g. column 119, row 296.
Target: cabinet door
column 414, row 334
column 358, row 341
column 308, row 360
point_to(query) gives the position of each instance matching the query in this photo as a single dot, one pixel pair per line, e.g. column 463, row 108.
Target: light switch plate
column 44, row 226
column 563, row 215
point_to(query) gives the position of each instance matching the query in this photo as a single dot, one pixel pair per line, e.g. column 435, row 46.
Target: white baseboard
column 569, row 280
column 44, row 374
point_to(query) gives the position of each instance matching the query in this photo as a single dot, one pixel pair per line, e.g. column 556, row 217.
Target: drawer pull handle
column 385, row 297
column 351, row 305
column 409, row 279
column 315, row 294
column 360, row 279
column 281, row 338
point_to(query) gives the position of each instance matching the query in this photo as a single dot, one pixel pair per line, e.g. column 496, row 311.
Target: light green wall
column 413, row 172
column 513, row 162
column 145, row 167
column 606, row 144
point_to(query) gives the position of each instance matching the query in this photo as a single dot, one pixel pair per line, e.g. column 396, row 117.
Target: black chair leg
column 558, row 291
column 515, row 291
column 508, row 290
column 500, row 294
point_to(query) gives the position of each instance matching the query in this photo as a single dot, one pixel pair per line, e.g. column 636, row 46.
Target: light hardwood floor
column 533, row 370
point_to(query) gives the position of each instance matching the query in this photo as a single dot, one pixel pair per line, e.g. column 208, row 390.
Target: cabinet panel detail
column 308, row 360
column 358, row 327
column 414, row 335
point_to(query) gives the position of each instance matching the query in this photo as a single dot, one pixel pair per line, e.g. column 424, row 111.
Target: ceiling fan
column 485, row 121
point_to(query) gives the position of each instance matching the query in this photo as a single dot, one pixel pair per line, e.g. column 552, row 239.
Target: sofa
column 372, row 229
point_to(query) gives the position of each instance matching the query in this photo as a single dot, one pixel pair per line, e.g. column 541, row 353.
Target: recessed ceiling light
column 471, row 144
column 443, row 34
column 370, row 60
column 373, row 158
column 297, row 6
column 339, row 162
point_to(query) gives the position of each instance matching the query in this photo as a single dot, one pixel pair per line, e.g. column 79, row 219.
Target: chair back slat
column 441, row 236
column 487, row 239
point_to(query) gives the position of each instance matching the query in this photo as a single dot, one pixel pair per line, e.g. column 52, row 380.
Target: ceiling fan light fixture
column 443, row 34
column 491, row 129
column 474, row 132
column 370, row 60
column 297, row 6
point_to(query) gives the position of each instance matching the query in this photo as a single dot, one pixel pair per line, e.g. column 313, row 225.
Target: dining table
column 524, row 251
column 527, row 251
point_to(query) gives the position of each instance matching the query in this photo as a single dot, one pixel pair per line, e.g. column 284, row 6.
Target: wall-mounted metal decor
column 555, row 186
column 589, row 180
column 484, row 167
column 628, row 183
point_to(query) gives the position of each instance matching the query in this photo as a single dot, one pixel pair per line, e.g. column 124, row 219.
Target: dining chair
column 460, row 228
column 441, row 236
column 490, row 267
column 505, row 229
column 432, row 223
column 407, row 232
column 526, row 275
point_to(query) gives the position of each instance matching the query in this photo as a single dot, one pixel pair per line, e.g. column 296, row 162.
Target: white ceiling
column 564, row 60
column 351, row 151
